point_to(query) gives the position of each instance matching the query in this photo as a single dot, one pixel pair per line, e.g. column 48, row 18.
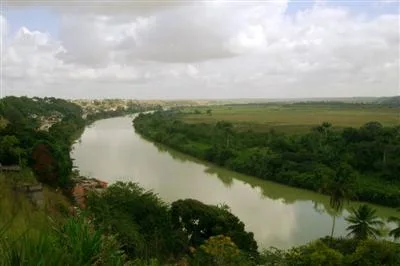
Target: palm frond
column 363, row 223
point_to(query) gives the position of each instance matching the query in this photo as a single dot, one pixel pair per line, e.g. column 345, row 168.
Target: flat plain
column 294, row 118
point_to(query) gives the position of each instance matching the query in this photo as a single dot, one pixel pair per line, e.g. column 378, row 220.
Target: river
column 279, row 215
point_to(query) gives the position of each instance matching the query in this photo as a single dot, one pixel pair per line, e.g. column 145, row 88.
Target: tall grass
column 72, row 244
column 32, row 236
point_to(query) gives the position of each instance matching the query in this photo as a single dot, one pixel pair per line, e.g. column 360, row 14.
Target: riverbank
column 293, row 161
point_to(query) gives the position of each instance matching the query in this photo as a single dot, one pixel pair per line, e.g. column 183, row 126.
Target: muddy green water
column 278, row 215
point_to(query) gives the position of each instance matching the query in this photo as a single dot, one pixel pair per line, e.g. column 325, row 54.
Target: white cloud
column 387, row 1
column 3, row 33
column 3, row 26
column 135, row 7
column 83, row 43
column 207, row 50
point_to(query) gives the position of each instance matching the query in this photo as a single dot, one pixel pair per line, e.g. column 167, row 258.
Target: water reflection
column 278, row 215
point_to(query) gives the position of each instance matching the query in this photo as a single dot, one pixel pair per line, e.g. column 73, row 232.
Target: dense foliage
column 369, row 155
column 199, row 222
column 139, row 218
column 219, row 250
column 38, row 133
column 149, row 228
column 340, row 252
column 126, row 225
column 189, row 230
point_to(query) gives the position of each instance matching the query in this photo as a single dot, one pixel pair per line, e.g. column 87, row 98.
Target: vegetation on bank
column 37, row 133
column 339, row 252
column 368, row 156
column 151, row 229
column 126, row 225
column 49, row 236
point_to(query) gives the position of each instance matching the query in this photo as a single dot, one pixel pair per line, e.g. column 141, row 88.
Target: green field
column 293, row 118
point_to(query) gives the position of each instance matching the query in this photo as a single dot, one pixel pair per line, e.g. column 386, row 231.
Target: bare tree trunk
column 333, row 227
column 384, row 157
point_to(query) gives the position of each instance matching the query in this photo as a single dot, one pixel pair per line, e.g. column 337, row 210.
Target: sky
column 200, row 49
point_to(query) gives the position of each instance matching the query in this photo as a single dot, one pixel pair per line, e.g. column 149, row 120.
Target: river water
column 279, row 215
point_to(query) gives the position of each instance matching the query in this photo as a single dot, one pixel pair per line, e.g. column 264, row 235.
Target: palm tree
column 395, row 232
column 339, row 186
column 338, row 196
column 363, row 223
column 227, row 128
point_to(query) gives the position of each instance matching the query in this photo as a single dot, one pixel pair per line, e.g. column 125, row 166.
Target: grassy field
column 18, row 216
column 293, row 118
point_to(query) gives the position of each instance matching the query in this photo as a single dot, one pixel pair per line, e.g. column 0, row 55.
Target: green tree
column 363, row 223
column 315, row 253
column 219, row 251
column 372, row 253
column 138, row 218
column 227, row 129
column 200, row 221
column 10, row 152
column 323, row 131
column 326, row 127
column 339, row 187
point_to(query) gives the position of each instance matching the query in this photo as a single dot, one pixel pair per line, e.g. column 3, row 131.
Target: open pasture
column 293, row 118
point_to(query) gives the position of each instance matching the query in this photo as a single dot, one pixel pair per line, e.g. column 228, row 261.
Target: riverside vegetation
column 366, row 158
column 127, row 225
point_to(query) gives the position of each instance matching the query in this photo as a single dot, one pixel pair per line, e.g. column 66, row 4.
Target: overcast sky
column 200, row 48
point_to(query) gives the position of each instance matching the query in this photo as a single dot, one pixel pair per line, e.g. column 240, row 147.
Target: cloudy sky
column 200, row 48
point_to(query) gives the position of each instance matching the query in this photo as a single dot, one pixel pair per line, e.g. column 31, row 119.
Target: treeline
column 90, row 118
column 369, row 155
column 46, row 152
column 119, row 111
column 389, row 101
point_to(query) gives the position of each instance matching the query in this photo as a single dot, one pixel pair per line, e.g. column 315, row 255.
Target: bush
column 219, row 251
